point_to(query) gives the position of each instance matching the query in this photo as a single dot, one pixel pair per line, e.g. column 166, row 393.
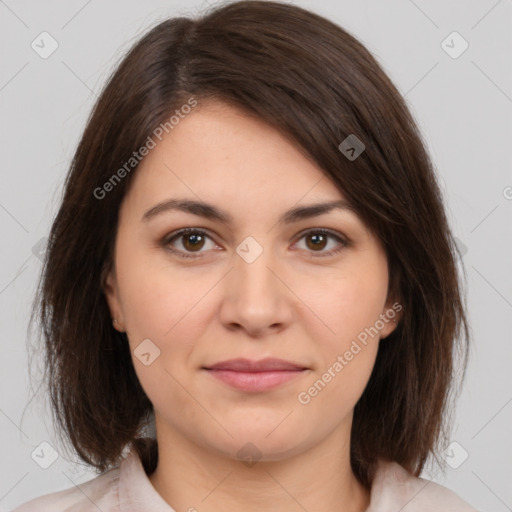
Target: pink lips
column 254, row 376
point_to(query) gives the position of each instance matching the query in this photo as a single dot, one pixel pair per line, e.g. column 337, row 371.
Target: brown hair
column 317, row 84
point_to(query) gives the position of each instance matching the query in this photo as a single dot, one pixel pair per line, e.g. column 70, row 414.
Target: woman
column 252, row 258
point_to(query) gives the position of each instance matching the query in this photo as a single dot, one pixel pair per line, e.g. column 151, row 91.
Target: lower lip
column 255, row 381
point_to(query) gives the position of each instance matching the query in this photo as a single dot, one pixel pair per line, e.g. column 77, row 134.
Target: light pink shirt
column 128, row 489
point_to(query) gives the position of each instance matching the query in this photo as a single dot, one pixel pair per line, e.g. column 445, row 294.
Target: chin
column 264, row 443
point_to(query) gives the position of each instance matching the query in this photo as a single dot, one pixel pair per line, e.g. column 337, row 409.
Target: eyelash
column 187, row 231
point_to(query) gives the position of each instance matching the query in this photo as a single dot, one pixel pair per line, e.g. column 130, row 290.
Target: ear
column 111, row 290
column 390, row 317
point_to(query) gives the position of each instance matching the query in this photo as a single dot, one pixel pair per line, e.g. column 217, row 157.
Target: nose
column 256, row 298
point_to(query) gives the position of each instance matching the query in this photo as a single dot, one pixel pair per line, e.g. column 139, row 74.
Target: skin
column 291, row 303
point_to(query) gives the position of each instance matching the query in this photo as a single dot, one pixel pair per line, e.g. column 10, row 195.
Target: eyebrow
column 212, row 212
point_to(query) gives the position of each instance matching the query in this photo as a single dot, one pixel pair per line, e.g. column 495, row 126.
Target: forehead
column 218, row 153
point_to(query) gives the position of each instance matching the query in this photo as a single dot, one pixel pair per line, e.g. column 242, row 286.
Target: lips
column 269, row 364
column 256, row 376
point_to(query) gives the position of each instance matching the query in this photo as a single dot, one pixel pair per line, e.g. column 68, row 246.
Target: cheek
column 166, row 304
column 346, row 350
column 162, row 306
column 156, row 297
column 349, row 309
column 333, row 392
column 352, row 301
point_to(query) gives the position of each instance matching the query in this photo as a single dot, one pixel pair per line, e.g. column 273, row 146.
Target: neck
column 190, row 477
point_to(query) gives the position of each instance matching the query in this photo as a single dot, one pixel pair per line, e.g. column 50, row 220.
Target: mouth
column 256, row 376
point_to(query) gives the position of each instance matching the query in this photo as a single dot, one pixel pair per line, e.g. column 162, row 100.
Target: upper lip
column 263, row 365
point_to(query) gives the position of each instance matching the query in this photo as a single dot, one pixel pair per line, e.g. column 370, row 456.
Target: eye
column 317, row 239
column 193, row 240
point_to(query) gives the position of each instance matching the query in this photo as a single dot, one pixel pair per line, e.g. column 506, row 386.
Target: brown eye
column 318, row 239
column 187, row 243
column 193, row 241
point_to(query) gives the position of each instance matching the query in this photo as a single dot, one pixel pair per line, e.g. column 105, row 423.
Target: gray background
column 463, row 106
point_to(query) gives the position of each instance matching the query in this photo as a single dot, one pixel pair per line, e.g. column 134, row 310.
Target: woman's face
column 258, row 283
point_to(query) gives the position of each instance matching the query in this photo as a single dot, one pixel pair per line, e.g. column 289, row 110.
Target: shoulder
column 99, row 493
column 394, row 488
